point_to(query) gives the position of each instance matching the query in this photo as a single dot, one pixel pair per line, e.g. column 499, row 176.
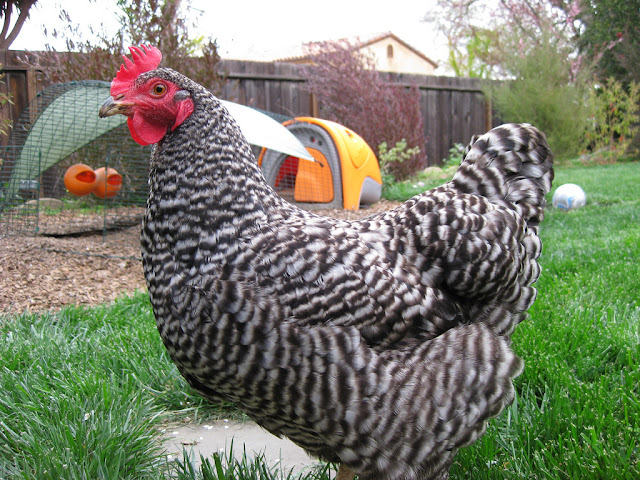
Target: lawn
column 84, row 391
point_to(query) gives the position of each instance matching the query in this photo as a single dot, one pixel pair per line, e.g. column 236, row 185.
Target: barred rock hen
column 380, row 344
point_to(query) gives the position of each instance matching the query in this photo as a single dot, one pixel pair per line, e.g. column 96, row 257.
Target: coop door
column 314, row 182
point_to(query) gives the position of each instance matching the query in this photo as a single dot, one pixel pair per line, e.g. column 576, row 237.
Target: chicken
column 382, row 344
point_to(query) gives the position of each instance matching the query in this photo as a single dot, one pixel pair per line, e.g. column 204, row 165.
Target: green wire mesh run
column 58, row 129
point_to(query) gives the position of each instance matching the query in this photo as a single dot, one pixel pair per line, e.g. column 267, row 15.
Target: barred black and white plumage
column 380, row 344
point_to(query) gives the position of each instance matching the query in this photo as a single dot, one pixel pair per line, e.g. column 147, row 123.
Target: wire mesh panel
column 19, row 207
column 61, row 128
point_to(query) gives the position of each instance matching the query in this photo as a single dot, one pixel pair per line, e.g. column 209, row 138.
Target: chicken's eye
column 159, row 89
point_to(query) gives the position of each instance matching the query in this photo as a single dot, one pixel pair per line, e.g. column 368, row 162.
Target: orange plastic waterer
column 80, row 179
column 108, row 182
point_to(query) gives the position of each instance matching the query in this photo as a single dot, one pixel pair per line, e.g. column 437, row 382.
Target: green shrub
column 615, row 119
column 389, row 158
column 456, row 152
column 543, row 93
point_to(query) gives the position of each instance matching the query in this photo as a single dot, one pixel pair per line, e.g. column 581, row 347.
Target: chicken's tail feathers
column 511, row 163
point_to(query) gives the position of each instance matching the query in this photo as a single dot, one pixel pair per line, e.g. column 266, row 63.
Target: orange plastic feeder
column 108, row 182
column 80, row 179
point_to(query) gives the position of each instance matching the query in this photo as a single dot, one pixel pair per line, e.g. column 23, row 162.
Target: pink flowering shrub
column 350, row 92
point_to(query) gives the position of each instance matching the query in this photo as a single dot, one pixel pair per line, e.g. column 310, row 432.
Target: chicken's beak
column 114, row 106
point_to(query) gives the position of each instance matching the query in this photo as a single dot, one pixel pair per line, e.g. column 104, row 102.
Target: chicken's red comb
column 145, row 58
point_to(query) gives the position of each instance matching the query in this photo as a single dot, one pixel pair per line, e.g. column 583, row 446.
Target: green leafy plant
column 474, row 59
column 615, row 119
column 390, row 157
column 456, row 152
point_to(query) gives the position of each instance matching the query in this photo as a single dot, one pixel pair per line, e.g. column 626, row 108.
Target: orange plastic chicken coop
column 344, row 173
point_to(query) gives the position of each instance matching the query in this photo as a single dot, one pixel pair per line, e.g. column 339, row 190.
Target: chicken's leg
column 345, row 473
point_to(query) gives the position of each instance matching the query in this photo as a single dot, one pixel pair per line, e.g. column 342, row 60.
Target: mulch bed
column 48, row 272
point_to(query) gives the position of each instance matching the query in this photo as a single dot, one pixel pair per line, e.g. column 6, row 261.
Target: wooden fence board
column 20, row 83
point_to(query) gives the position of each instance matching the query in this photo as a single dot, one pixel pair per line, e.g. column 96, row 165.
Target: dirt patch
column 47, row 273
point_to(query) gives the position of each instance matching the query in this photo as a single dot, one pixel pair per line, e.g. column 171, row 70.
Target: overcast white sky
column 263, row 29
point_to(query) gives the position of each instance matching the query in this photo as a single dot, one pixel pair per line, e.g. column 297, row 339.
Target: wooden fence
column 20, row 83
column 453, row 109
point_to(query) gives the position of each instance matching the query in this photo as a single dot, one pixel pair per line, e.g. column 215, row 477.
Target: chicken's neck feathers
column 205, row 169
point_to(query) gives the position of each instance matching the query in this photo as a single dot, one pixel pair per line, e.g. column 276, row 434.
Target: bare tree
column 9, row 34
column 157, row 22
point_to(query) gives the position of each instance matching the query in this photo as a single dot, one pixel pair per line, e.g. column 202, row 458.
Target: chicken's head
column 154, row 105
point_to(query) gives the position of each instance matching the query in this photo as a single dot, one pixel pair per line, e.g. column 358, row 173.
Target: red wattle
column 133, row 133
column 144, row 132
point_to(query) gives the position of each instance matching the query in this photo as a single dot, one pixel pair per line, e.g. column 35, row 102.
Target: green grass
column 83, row 392
column 424, row 180
column 226, row 467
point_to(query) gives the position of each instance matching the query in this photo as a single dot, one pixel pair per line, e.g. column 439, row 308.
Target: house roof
column 386, row 35
column 365, row 43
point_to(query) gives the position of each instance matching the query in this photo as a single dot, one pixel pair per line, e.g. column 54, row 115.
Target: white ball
column 569, row 196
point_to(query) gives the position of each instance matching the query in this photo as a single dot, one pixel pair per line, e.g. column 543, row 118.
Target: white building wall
column 403, row 59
